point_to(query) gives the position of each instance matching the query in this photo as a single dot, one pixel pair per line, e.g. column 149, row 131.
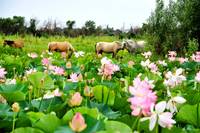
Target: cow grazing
column 14, row 44
column 108, row 47
column 61, row 47
column 131, row 45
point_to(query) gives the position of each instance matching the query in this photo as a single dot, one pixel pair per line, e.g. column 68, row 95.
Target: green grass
column 33, row 44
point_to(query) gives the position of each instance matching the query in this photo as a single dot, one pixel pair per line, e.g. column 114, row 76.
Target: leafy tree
column 70, row 24
column 173, row 25
column 90, row 27
column 32, row 27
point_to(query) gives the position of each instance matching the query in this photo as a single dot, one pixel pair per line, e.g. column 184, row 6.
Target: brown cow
column 14, row 44
column 61, row 47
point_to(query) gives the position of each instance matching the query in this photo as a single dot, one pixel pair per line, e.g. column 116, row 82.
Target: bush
column 192, row 46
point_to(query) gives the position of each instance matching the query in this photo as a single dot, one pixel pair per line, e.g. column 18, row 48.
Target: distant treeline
column 17, row 25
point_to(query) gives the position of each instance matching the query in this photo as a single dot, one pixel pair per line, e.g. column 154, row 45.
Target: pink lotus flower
column 78, row 123
column 196, row 57
column 51, row 67
column 75, row 100
column 63, row 54
column 45, row 61
column 172, row 58
column 150, row 65
column 164, row 119
column 172, row 53
column 74, row 77
column 143, row 97
column 57, row 93
column 153, row 67
column 33, row 55
column 50, row 94
column 59, row 71
column 107, row 68
column 2, row 73
column 197, row 77
column 182, row 60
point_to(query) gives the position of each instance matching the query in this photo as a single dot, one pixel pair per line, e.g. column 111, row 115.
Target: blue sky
column 115, row 13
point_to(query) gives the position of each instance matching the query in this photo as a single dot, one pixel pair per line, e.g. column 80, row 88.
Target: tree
column 70, row 24
column 12, row 25
column 174, row 25
column 69, row 30
column 90, row 27
column 32, row 27
column 18, row 24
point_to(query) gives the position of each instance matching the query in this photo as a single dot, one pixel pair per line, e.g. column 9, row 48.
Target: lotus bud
column 82, row 67
column 2, row 99
column 80, row 77
column 75, row 100
column 88, row 91
column 130, row 64
column 78, row 123
column 68, row 65
column 15, row 107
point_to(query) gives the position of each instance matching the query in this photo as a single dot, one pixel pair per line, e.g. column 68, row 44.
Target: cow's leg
column 97, row 52
column 113, row 55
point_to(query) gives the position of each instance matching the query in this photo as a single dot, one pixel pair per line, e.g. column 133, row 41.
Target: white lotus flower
column 164, row 119
column 79, row 53
column 30, row 71
column 171, row 104
column 163, row 63
column 197, row 77
column 145, row 63
column 174, row 79
column 147, row 54
column 105, row 60
column 10, row 81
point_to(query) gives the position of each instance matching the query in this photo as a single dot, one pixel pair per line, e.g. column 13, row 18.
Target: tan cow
column 108, row 47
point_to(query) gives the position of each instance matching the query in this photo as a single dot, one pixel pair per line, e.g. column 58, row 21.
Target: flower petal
column 160, row 107
column 152, row 123
column 179, row 99
column 144, row 119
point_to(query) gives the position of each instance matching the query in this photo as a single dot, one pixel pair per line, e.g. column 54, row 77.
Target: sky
column 115, row 13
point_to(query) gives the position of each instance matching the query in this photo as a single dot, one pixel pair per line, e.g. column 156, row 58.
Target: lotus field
column 44, row 92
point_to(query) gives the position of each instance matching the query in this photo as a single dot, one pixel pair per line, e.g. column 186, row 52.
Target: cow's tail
column 49, row 45
column 95, row 47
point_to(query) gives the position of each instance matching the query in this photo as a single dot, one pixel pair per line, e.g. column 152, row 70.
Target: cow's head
column 125, row 43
